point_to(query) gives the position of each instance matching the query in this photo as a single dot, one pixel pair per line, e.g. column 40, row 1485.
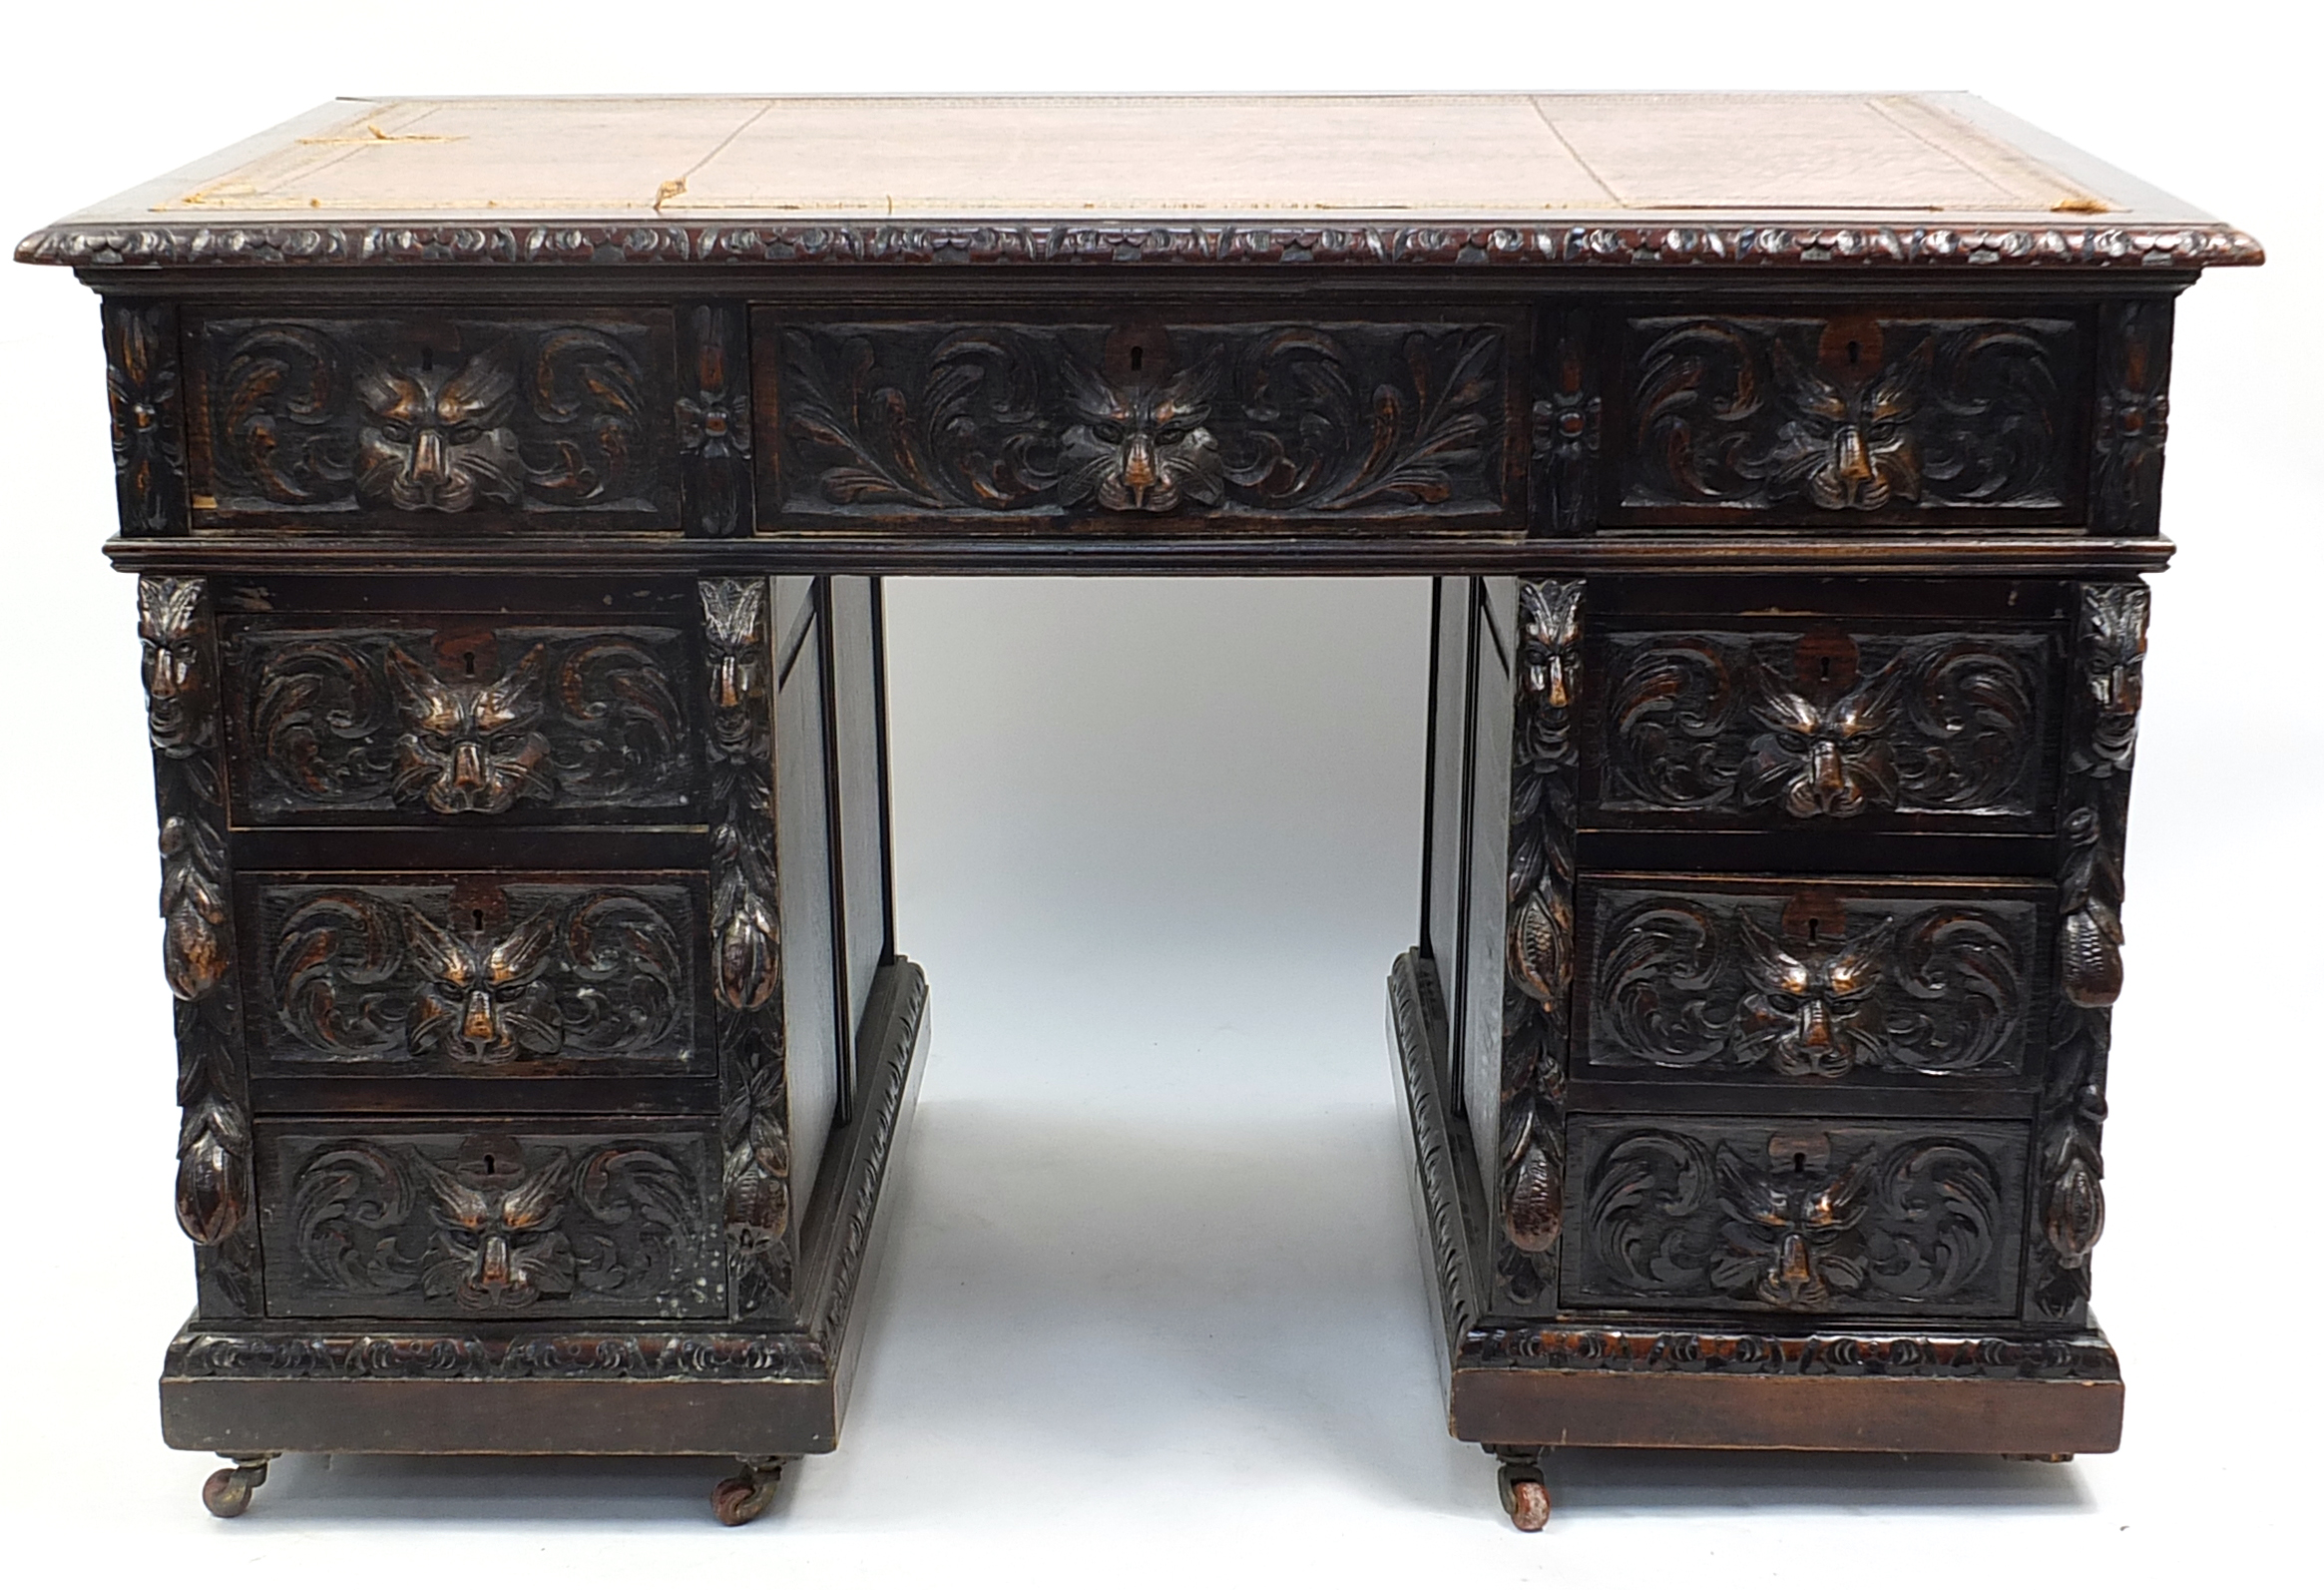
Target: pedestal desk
column 509, row 484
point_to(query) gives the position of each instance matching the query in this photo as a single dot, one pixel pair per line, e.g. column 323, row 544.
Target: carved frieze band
column 746, row 944
column 1889, row 1355
column 438, row 416
column 2102, row 738
column 2134, row 416
column 1543, row 812
column 1811, row 983
column 149, row 425
column 467, row 721
column 1825, row 725
column 1790, row 1216
column 1855, row 416
column 215, row 1204
column 478, row 972
column 1351, row 420
column 433, row 1224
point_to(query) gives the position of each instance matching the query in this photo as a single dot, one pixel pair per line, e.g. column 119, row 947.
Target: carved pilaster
column 148, row 434
column 2133, row 414
column 1535, row 1020
column 1566, row 425
column 746, row 946
column 2069, row 1209
column 714, row 418
column 215, row 1202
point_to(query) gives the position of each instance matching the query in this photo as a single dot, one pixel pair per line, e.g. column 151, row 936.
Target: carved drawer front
column 1919, row 1218
column 434, row 422
column 1869, row 723
column 930, row 426
column 466, row 1220
column 476, row 974
column 1849, row 419
column 1785, row 980
column 462, row 719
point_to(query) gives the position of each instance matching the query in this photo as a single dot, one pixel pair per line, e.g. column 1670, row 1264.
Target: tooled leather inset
column 1824, row 726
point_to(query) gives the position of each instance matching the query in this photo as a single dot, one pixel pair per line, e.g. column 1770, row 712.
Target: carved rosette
column 148, row 443
column 1541, row 804
column 216, row 1206
column 746, row 944
column 2109, row 649
column 2133, row 414
column 714, row 418
column 1567, row 425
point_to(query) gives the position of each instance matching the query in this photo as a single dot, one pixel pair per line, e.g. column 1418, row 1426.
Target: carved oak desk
column 508, row 484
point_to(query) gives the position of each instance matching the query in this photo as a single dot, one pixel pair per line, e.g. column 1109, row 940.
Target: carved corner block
column 215, row 1203
column 1568, row 422
column 143, row 390
column 712, row 412
column 2133, row 417
column 1529, row 1198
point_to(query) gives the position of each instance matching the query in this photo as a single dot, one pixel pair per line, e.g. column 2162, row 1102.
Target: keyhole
column 1136, row 359
column 1855, row 352
column 1798, row 1165
column 488, row 1165
column 468, row 664
column 1814, row 929
column 428, row 357
column 1823, row 670
column 478, row 918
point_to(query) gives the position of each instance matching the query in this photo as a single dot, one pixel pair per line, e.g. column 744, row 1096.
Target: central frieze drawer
column 452, row 1220
column 935, row 426
column 476, row 975
column 1788, row 980
column 1765, row 1215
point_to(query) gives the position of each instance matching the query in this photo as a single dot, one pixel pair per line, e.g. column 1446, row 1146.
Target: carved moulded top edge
column 1133, row 241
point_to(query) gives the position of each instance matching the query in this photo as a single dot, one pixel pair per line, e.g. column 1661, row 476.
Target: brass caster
column 226, row 1493
column 2040, row 1457
column 738, row 1498
column 1524, row 1493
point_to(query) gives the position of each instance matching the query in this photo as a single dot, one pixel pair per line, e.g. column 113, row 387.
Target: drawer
column 1791, row 723
column 475, row 976
column 431, row 1219
column 944, row 425
column 461, row 718
column 1810, row 980
column 1768, row 1216
column 433, row 421
column 1848, row 419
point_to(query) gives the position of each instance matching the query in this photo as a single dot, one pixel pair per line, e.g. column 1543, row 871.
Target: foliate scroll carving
column 216, row 1206
column 149, row 446
column 1244, row 420
column 2134, row 416
column 437, row 1225
column 1534, row 1005
column 1825, row 725
column 747, row 943
column 714, row 418
column 464, row 720
column 1762, row 1214
column 1568, row 423
column 477, row 975
column 449, row 416
column 497, row 1356
column 1887, row 1354
column 2102, row 738
column 1853, row 415
column 1810, row 984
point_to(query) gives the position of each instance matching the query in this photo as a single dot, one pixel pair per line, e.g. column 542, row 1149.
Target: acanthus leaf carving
column 142, row 396
column 2132, row 416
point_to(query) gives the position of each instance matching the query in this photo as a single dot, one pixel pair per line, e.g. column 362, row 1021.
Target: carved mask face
column 735, row 625
column 170, row 624
column 1786, row 1228
column 471, row 744
column 2114, row 618
column 1550, row 629
column 496, row 1245
column 1813, row 1009
column 1823, row 760
column 437, row 439
column 1850, row 442
column 481, row 997
column 1142, row 447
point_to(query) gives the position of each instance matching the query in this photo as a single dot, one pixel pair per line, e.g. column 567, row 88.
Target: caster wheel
column 226, row 1493
column 2040, row 1457
column 741, row 1497
column 1526, row 1496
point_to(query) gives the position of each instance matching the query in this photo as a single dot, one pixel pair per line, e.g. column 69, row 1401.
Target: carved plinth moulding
column 464, row 720
column 2102, row 738
column 746, row 944
column 1826, row 726
column 1351, row 420
column 1543, row 758
column 215, row 1204
column 1646, row 1349
column 512, row 1355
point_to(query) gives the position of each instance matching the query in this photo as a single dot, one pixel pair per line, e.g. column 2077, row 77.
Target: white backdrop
column 1154, row 1314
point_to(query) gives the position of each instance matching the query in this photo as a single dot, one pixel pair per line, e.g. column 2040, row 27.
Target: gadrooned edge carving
column 217, row 1206
column 1143, row 243
column 1457, row 1292
column 879, row 1133
column 530, row 1356
column 1544, row 762
column 1909, row 1356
